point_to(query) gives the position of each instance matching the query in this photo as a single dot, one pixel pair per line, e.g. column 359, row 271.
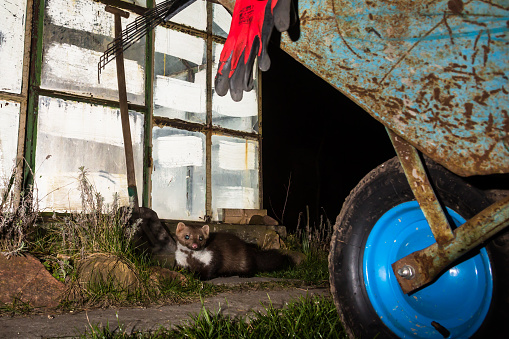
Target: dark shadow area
column 315, row 140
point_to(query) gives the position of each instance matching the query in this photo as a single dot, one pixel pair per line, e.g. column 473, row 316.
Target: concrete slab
column 70, row 325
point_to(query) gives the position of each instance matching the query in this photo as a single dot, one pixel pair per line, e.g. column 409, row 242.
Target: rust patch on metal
column 481, row 99
column 430, row 261
column 456, row 6
column 422, row 189
column 487, row 49
column 316, row 55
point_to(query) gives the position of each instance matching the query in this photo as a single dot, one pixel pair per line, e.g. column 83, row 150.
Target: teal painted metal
column 436, row 73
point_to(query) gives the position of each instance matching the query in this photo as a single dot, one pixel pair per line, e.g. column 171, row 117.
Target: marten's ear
column 206, row 230
column 180, row 227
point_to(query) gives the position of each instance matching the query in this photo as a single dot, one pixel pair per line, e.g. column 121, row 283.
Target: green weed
column 311, row 317
column 17, row 307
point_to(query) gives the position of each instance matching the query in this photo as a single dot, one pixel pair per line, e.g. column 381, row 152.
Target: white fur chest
column 183, row 253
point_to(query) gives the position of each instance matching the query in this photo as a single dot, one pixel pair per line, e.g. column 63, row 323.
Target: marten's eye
column 201, row 238
column 187, row 237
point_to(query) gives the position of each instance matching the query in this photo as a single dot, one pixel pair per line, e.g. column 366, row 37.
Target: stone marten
column 211, row 255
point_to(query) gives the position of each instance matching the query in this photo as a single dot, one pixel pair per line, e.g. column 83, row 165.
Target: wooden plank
column 240, row 216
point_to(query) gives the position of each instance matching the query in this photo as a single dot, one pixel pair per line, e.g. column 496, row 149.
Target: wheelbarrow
column 416, row 251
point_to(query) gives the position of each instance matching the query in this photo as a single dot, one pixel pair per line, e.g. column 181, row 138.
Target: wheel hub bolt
column 407, row 272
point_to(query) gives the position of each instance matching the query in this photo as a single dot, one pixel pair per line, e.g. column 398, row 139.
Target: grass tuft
column 17, row 307
column 314, row 242
column 310, row 317
column 98, row 228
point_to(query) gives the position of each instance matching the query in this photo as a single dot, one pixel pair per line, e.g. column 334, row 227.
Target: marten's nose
column 194, row 246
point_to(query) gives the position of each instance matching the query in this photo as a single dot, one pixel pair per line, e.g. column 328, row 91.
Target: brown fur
column 222, row 254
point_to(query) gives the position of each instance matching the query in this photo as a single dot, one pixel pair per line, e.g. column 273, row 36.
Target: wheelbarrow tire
column 382, row 190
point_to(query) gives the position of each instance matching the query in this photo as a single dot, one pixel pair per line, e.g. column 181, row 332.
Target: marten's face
column 191, row 237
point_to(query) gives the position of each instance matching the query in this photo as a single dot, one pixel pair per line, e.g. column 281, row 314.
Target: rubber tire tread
column 382, row 189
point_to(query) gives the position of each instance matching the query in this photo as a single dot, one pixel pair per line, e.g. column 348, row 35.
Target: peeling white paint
column 12, row 33
column 225, row 106
column 79, row 134
column 84, row 15
column 233, row 197
column 222, row 17
column 75, row 120
column 195, row 15
column 74, row 69
column 247, row 107
column 179, row 151
column 416, row 175
column 234, row 173
column 180, row 45
column 9, row 113
column 216, row 56
column 178, row 179
column 60, row 192
column 237, row 156
column 142, row 3
column 180, row 94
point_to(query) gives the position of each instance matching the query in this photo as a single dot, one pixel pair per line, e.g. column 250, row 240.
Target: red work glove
column 250, row 31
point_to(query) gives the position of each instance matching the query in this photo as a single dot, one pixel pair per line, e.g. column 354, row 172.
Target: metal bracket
column 421, row 187
column 428, row 263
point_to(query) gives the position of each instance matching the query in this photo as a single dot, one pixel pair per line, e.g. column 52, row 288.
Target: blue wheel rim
column 459, row 300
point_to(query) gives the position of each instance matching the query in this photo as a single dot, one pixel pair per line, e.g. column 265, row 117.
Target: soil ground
column 70, row 325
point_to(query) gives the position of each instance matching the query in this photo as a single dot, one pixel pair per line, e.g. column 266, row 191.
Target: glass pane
column 221, row 20
column 178, row 179
column 180, row 76
column 142, row 3
column 9, row 115
column 195, row 15
column 234, row 174
column 71, row 135
column 12, row 36
column 76, row 34
column 240, row 116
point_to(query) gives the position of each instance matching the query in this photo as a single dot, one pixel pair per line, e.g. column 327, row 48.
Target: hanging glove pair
column 250, row 30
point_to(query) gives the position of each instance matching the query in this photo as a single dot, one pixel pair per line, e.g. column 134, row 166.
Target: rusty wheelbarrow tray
column 436, row 74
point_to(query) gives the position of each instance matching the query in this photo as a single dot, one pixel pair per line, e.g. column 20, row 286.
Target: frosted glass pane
column 195, row 15
column 234, row 174
column 72, row 134
column 76, row 34
column 12, row 36
column 142, row 3
column 180, row 45
column 178, row 178
column 240, row 116
column 221, row 20
column 179, row 76
column 9, row 116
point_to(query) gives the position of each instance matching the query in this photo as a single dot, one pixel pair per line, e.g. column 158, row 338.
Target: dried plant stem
column 18, row 214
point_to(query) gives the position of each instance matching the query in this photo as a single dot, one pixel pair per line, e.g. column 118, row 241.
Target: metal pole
column 124, row 112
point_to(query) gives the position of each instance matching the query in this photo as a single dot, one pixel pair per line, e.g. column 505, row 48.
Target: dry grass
column 17, row 215
column 314, row 236
column 97, row 227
